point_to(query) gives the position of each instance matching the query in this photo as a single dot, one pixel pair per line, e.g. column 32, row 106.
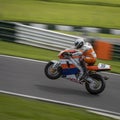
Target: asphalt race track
column 27, row 77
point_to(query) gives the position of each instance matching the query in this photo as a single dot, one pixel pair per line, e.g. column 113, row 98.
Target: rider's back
column 89, row 53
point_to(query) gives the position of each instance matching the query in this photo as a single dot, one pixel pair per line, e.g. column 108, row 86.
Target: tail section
column 99, row 67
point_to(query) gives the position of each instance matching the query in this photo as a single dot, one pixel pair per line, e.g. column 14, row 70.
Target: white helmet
column 79, row 43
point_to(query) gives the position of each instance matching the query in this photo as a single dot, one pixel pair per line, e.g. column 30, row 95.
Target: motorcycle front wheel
column 97, row 86
column 52, row 73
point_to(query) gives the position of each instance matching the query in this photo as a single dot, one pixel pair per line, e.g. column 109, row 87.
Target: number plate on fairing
column 103, row 66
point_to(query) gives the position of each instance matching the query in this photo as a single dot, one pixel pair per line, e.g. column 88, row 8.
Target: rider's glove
column 70, row 54
column 67, row 54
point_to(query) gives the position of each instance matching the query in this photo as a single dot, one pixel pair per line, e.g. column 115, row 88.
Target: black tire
column 50, row 74
column 97, row 78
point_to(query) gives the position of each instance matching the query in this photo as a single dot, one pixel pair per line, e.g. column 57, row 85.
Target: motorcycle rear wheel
column 98, row 86
column 52, row 73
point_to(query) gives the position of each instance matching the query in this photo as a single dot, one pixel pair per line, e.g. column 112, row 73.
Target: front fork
column 56, row 64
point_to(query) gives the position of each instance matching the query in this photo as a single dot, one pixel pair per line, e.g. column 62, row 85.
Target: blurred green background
column 95, row 13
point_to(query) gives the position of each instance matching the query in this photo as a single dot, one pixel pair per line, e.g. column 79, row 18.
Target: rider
column 87, row 53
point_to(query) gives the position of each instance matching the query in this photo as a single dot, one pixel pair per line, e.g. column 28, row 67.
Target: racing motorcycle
column 64, row 67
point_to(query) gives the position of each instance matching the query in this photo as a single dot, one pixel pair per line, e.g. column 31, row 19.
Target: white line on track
column 20, row 58
column 107, row 113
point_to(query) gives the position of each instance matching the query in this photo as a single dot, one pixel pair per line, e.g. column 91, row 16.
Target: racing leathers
column 88, row 56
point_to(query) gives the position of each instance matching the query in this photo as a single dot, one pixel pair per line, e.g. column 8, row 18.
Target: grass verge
column 109, row 3
column 60, row 13
column 14, row 49
column 17, row 108
column 25, row 51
